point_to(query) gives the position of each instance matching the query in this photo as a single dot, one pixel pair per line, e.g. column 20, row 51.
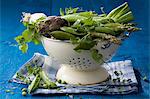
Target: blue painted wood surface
column 136, row 47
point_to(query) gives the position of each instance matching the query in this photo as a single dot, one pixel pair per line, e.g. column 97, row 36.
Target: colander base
column 72, row 76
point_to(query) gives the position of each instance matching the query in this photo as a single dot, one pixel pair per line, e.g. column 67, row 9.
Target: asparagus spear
column 104, row 36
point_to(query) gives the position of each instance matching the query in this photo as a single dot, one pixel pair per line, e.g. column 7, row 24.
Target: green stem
column 126, row 18
column 115, row 11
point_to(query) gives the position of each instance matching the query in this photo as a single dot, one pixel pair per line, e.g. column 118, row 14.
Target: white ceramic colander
column 78, row 67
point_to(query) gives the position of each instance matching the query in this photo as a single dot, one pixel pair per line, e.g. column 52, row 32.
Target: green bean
column 34, row 84
column 106, row 30
column 73, row 17
column 46, row 80
column 61, row 35
column 71, row 30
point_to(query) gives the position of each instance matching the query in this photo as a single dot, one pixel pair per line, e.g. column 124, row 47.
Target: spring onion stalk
column 121, row 14
column 115, row 11
column 123, row 11
column 126, row 18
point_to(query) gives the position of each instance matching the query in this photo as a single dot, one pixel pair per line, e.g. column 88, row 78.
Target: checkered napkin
column 122, row 79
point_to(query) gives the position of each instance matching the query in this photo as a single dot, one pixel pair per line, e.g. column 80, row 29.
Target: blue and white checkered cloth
column 123, row 84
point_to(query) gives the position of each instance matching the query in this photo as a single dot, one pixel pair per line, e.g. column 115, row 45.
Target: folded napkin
column 122, row 79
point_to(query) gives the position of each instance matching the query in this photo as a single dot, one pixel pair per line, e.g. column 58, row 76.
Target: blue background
column 136, row 47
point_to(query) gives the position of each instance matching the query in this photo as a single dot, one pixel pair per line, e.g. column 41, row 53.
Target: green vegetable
column 108, row 37
column 45, row 85
column 7, row 91
column 62, row 35
column 87, row 14
column 123, row 11
column 27, row 34
column 64, row 82
column 85, row 43
column 96, row 56
column 115, row 11
column 71, row 30
column 24, row 93
column 73, row 18
column 71, row 10
column 31, row 34
column 61, row 12
column 34, row 84
column 24, row 89
column 59, row 81
column 106, row 30
column 121, row 14
column 46, row 80
column 29, row 69
column 20, row 76
column 125, row 18
column 84, row 29
column 23, row 48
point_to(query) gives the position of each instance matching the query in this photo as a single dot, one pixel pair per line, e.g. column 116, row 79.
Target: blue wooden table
column 136, row 47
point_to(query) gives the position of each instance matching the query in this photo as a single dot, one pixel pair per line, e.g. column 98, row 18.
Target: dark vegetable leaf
column 96, row 56
column 85, row 44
